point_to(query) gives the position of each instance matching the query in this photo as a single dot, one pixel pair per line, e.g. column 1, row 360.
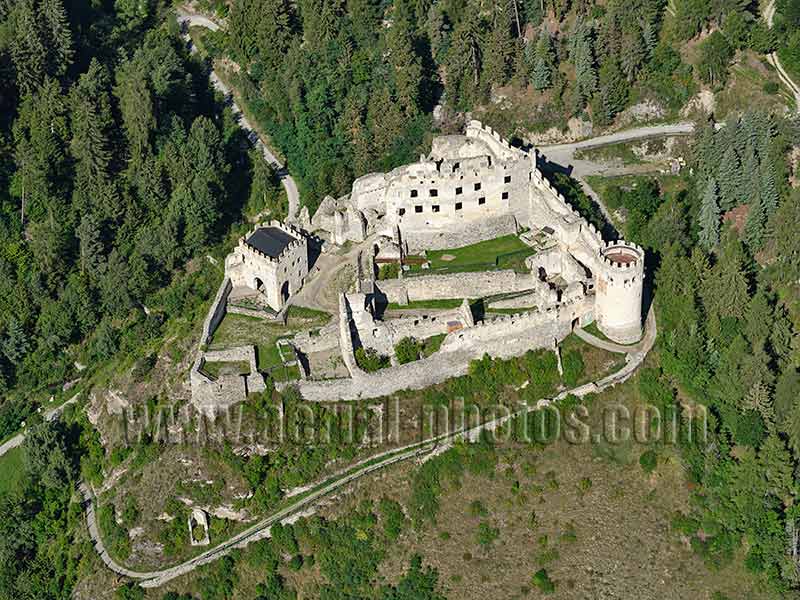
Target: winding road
column 772, row 58
column 304, row 505
column 186, row 20
column 50, row 415
column 564, row 155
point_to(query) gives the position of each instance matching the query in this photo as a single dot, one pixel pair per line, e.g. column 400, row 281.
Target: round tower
column 618, row 285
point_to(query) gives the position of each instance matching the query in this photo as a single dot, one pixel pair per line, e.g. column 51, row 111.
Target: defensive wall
column 503, row 337
column 479, row 284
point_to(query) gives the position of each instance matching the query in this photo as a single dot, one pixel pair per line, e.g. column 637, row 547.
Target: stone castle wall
column 488, row 227
column 503, row 337
column 455, row 285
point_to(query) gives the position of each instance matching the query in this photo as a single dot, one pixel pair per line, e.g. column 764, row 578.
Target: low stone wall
column 456, row 235
column 210, row 395
column 327, row 339
column 217, row 311
column 455, row 285
column 256, row 314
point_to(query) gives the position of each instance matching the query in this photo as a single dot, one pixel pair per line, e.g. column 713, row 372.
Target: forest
column 120, row 169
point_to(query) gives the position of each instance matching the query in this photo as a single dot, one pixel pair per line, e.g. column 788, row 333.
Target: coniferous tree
column 499, row 50
column 59, row 36
column 28, row 49
column 612, row 92
column 709, row 217
column 582, row 55
column 768, row 190
column 15, row 343
column 730, row 179
column 754, row 228
column 543, row 62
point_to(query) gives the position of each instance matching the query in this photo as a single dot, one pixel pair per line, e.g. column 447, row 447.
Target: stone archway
column 285, row 291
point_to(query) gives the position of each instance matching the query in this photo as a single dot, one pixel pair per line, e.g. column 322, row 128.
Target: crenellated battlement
column 622, row 256
column 296, row 233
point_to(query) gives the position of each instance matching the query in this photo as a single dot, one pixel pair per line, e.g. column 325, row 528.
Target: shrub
column 394, row 520
column 648, row 460
column 389, row 271
column 477, row 509
column 487, row 534
column 770, row 87
column 369, row 359
column 572, row 363
column 542, row 581
column 407, row 350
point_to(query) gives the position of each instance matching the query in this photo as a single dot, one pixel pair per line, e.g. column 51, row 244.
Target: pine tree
column 59, row 36
column 729, row 176
column 15, row 344
column 407, row 69
column 776, row 465
column 613, row 91
column 28, row 50
column 582, row 55
column 768, row 189
column 90, row 246
column 709, row 217
column 543, row 62
column 499, row 50
column 754, row 228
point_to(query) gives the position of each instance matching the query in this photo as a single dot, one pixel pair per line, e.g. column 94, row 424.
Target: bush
column 369, row 359
column 572, row 363
column 648, row 460
column 487, row 534
column 407, row 350
column 394, row 520
column 477, row 509
column 771, row 88
column 389, row 271
column 542, row 581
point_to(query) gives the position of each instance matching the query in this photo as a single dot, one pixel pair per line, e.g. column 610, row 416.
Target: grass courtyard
column 507, row 252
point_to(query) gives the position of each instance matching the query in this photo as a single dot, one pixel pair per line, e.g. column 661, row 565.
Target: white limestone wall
column 619, row 295
column 455, row 285
column 504, row 338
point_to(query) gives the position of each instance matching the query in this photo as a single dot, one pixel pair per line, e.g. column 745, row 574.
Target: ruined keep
column 272, row 260
column 475, row 187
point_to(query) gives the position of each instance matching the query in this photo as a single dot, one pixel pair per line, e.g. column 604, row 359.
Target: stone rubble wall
column 209, row 395
column 328, row 339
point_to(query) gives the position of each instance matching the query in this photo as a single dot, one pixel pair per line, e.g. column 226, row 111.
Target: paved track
column 186, row 20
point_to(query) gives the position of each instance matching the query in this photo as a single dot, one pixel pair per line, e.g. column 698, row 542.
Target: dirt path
column 772, row 58
column 186, row 20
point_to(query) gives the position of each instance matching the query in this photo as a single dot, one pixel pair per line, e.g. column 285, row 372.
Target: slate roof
column 270, row 240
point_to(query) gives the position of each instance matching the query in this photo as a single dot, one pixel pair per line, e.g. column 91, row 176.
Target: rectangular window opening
column 481, row 201
column 418, row 208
